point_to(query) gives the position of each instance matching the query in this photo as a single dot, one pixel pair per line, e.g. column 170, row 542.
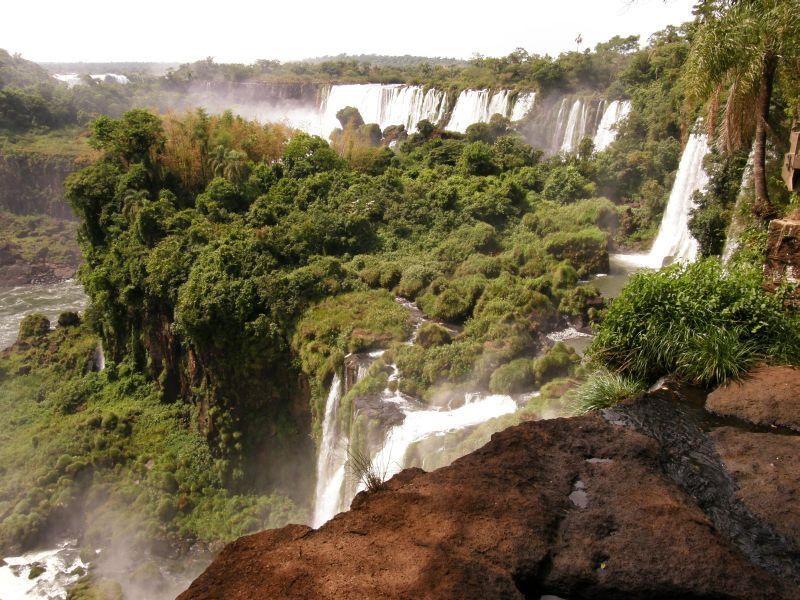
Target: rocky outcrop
column 782, row 264
column 638, row 503
column 768, row 396
column 32, row 183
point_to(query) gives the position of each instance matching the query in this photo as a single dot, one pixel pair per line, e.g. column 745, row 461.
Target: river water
column 50, row 299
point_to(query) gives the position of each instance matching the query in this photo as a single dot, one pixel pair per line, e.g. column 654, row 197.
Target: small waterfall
column 674, row 240
column 606, row 130
column 737, row 224
column 477, row 106
column 99, row 359
column 558, row 132
column 423, row 422
column 331, row 459
column 523, row 105
column 576, row 126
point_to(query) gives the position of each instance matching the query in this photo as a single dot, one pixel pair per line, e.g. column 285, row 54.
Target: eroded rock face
column 766, row 396
column 782, row 262
column 577, row 508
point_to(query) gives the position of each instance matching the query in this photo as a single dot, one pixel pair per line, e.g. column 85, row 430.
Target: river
column 50, row 299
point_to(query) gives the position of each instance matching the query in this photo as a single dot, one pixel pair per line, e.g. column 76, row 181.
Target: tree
column 741, row 48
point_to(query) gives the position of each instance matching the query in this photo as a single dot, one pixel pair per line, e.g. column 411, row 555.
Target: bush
column 587, row 248
column 69, row 319
column 431, row 334
column 514, row 377
column 33, row 326
column 556, row 362
column 604, row 389
column 699, row 321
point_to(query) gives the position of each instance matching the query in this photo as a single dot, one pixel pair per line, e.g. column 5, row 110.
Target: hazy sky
column 242, row 30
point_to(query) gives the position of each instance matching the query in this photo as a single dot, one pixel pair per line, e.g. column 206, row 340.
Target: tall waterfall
column 606, row 130
column 576, row 126
column 477, row 106
column 385, row 105
column 331, row 460
column 674, row 240
column 523, row 105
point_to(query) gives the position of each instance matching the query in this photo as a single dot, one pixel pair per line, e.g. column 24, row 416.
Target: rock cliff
column 654, row 499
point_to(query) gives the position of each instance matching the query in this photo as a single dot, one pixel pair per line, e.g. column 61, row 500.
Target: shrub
column 33, row 326
column 365, row 470
column 414, row 279
column 431, row 334
column 604, row 389
column 699, row 321
column 556, row 362
column 587, row 248
column 514, row 377
column 69, row 319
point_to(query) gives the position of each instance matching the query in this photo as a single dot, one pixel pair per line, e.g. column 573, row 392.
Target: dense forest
column 232, row 266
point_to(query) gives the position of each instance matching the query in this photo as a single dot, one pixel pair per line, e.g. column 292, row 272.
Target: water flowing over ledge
column 674, row 242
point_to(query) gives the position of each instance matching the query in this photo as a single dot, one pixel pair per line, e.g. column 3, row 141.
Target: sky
column 243, row 31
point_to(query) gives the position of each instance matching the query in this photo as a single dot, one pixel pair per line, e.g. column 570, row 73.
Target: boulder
column 766, row 396
column 782, row 263
column 575, row 508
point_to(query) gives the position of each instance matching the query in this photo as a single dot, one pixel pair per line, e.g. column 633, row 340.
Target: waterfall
column 576, row 126
column 331, row 459
column 423, row 422
column 738, row 223
column 477, row 106
column 606, row 130
column 393, row 104
column 674, row 240
column 523, row 105
column 559, row 128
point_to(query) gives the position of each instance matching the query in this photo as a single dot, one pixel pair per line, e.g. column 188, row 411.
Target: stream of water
column 50, row 299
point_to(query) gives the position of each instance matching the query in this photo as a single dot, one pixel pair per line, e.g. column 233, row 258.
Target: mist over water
column 50, row 299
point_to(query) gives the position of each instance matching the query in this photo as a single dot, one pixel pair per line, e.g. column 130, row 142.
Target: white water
column 73, row 79
column 738, row 224
column 58, row 563
column 422, row 422
column 576, row 126
column 385, row 105
column 331, row 459
column 674, row 240
column 478, row 106
column 523, row 105
column 22, row 300
column 606, row 130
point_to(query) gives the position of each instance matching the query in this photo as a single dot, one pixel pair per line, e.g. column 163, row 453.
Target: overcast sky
column 245, row 30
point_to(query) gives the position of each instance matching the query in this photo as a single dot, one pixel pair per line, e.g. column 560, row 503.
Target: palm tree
column 741, row 47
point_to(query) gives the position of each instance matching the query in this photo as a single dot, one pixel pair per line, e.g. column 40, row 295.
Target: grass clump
column 366, row 472
column 604, row 389
column 700, row 321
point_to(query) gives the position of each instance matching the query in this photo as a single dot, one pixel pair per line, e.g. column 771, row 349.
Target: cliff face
column 34, row 184
column 651, row 500
column 782, row 263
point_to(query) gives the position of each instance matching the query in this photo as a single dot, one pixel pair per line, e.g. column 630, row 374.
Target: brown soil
column 767, row 396
column 579, row 508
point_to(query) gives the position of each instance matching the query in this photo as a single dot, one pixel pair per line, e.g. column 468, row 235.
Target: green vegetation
column 604, row 389
column 39, row 238
column 102, row 447
column 739, row 54
column 699, row 321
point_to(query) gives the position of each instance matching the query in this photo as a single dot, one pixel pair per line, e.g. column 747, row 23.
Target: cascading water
column 422, row 422
column 674, row 240
column 385, row 105
column 576, row 126
column 477, row 106
column 738, row 223
column 523, row 105
column 606, row 130
column 331, row 460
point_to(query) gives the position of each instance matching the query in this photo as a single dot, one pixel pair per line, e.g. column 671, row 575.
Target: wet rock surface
column 766, row 396
column 645, row 502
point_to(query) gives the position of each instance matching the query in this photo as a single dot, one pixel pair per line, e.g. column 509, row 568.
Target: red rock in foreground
column 766, row 396
column 579, row 508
